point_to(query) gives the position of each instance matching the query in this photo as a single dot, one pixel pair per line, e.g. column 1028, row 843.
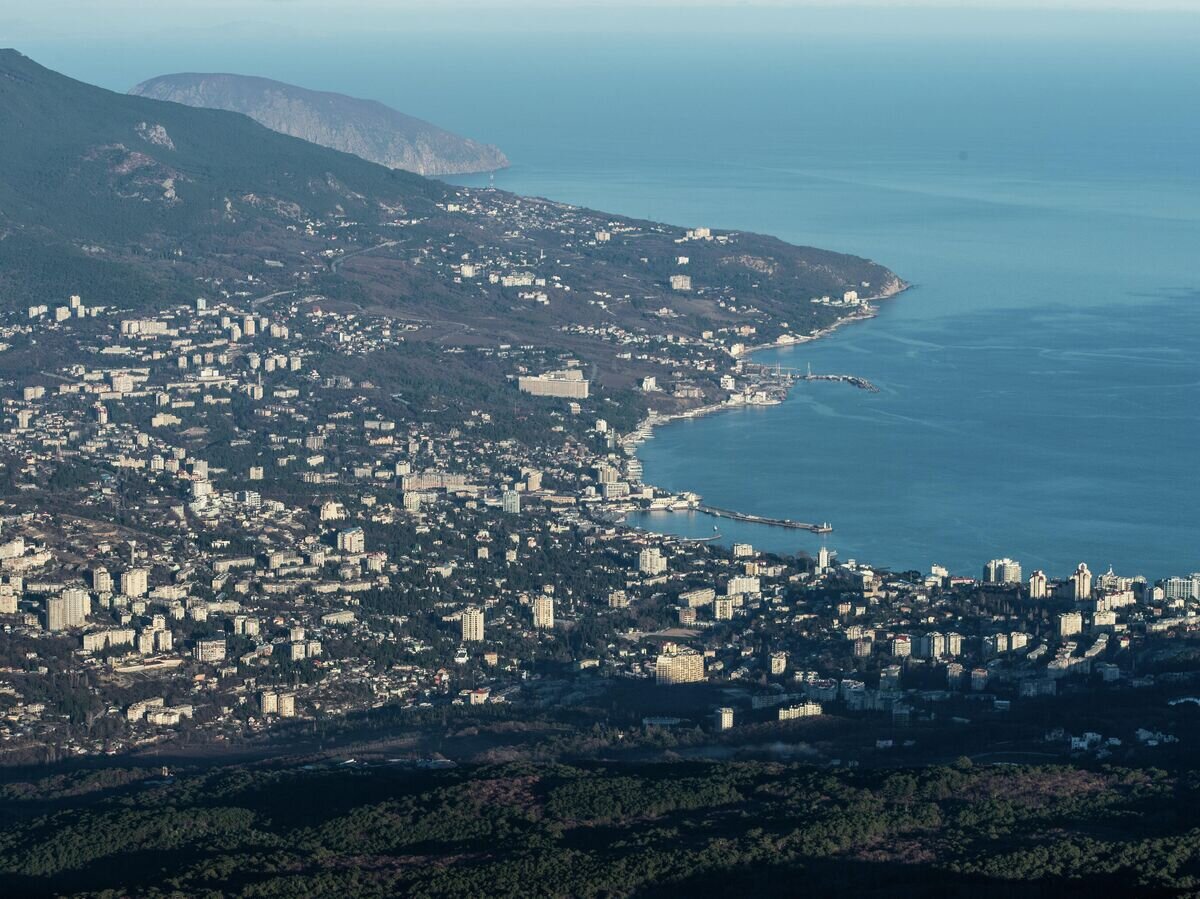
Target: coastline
column 868, row 312
column 645, row 429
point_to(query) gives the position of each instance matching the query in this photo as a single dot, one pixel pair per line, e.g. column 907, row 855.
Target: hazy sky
column 107, row 19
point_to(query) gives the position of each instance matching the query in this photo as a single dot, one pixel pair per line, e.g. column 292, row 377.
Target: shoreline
column 645, row 429
column 867, row 314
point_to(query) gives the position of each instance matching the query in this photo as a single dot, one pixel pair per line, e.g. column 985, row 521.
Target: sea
column 1040, row 191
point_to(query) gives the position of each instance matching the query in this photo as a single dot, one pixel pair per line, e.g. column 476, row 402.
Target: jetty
column 855, row 380
column 823, row 528
column 782, row 372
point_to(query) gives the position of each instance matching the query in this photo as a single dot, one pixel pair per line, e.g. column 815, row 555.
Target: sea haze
column 1039, row 383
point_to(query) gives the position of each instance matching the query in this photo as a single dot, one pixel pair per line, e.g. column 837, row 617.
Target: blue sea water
column 1038, row 383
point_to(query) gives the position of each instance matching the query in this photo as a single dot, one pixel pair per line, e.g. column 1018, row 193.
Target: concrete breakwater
column 823, row 528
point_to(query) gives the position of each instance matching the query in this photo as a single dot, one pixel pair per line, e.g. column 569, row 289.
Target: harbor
column 770, row 380
column 791, row 375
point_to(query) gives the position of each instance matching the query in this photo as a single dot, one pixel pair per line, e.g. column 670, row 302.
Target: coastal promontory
column 366, row 128
column 142, row 204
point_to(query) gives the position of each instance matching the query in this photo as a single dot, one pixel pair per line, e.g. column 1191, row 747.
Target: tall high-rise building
column 953, row 644
column 824, row 557
column 1082, row 581
column 931, row 645
column 678, row 665
column 352, row 540
column 742, row 584
column 1002, row 571
column 69, row 609
column 1181, row 588
column 543, row 612
column 651, row 561
column 102, row 581
column 1037, row 585
column 135, row 582
column 724, row 718
column 511, row 502
column 995, row 644
column 1069, row 624
column 472, row 624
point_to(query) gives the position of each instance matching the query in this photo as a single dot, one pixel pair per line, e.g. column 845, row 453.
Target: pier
column 824, row 528
column 855, row 380
column 795, row 374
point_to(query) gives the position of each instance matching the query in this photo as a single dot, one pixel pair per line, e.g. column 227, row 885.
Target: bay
column 1041, row 192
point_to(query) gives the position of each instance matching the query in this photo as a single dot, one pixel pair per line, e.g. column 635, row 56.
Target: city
column 366, row 534
column 211, row 539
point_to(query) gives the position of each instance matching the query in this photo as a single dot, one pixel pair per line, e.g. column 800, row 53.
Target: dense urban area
column 217, row 548
column 314, row 566
column 212, row 538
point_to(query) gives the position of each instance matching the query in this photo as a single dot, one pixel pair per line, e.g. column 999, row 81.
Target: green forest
column 603, row 830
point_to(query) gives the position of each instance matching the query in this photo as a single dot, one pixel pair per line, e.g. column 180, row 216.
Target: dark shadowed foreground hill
column 363, row 127
column 603, row 829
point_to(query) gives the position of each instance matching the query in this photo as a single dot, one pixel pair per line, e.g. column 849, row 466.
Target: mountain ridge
column 366, row 128
column 135, row 203
column 104, row 185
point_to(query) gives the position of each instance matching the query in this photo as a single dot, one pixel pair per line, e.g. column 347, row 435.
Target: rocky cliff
column 367, row 129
